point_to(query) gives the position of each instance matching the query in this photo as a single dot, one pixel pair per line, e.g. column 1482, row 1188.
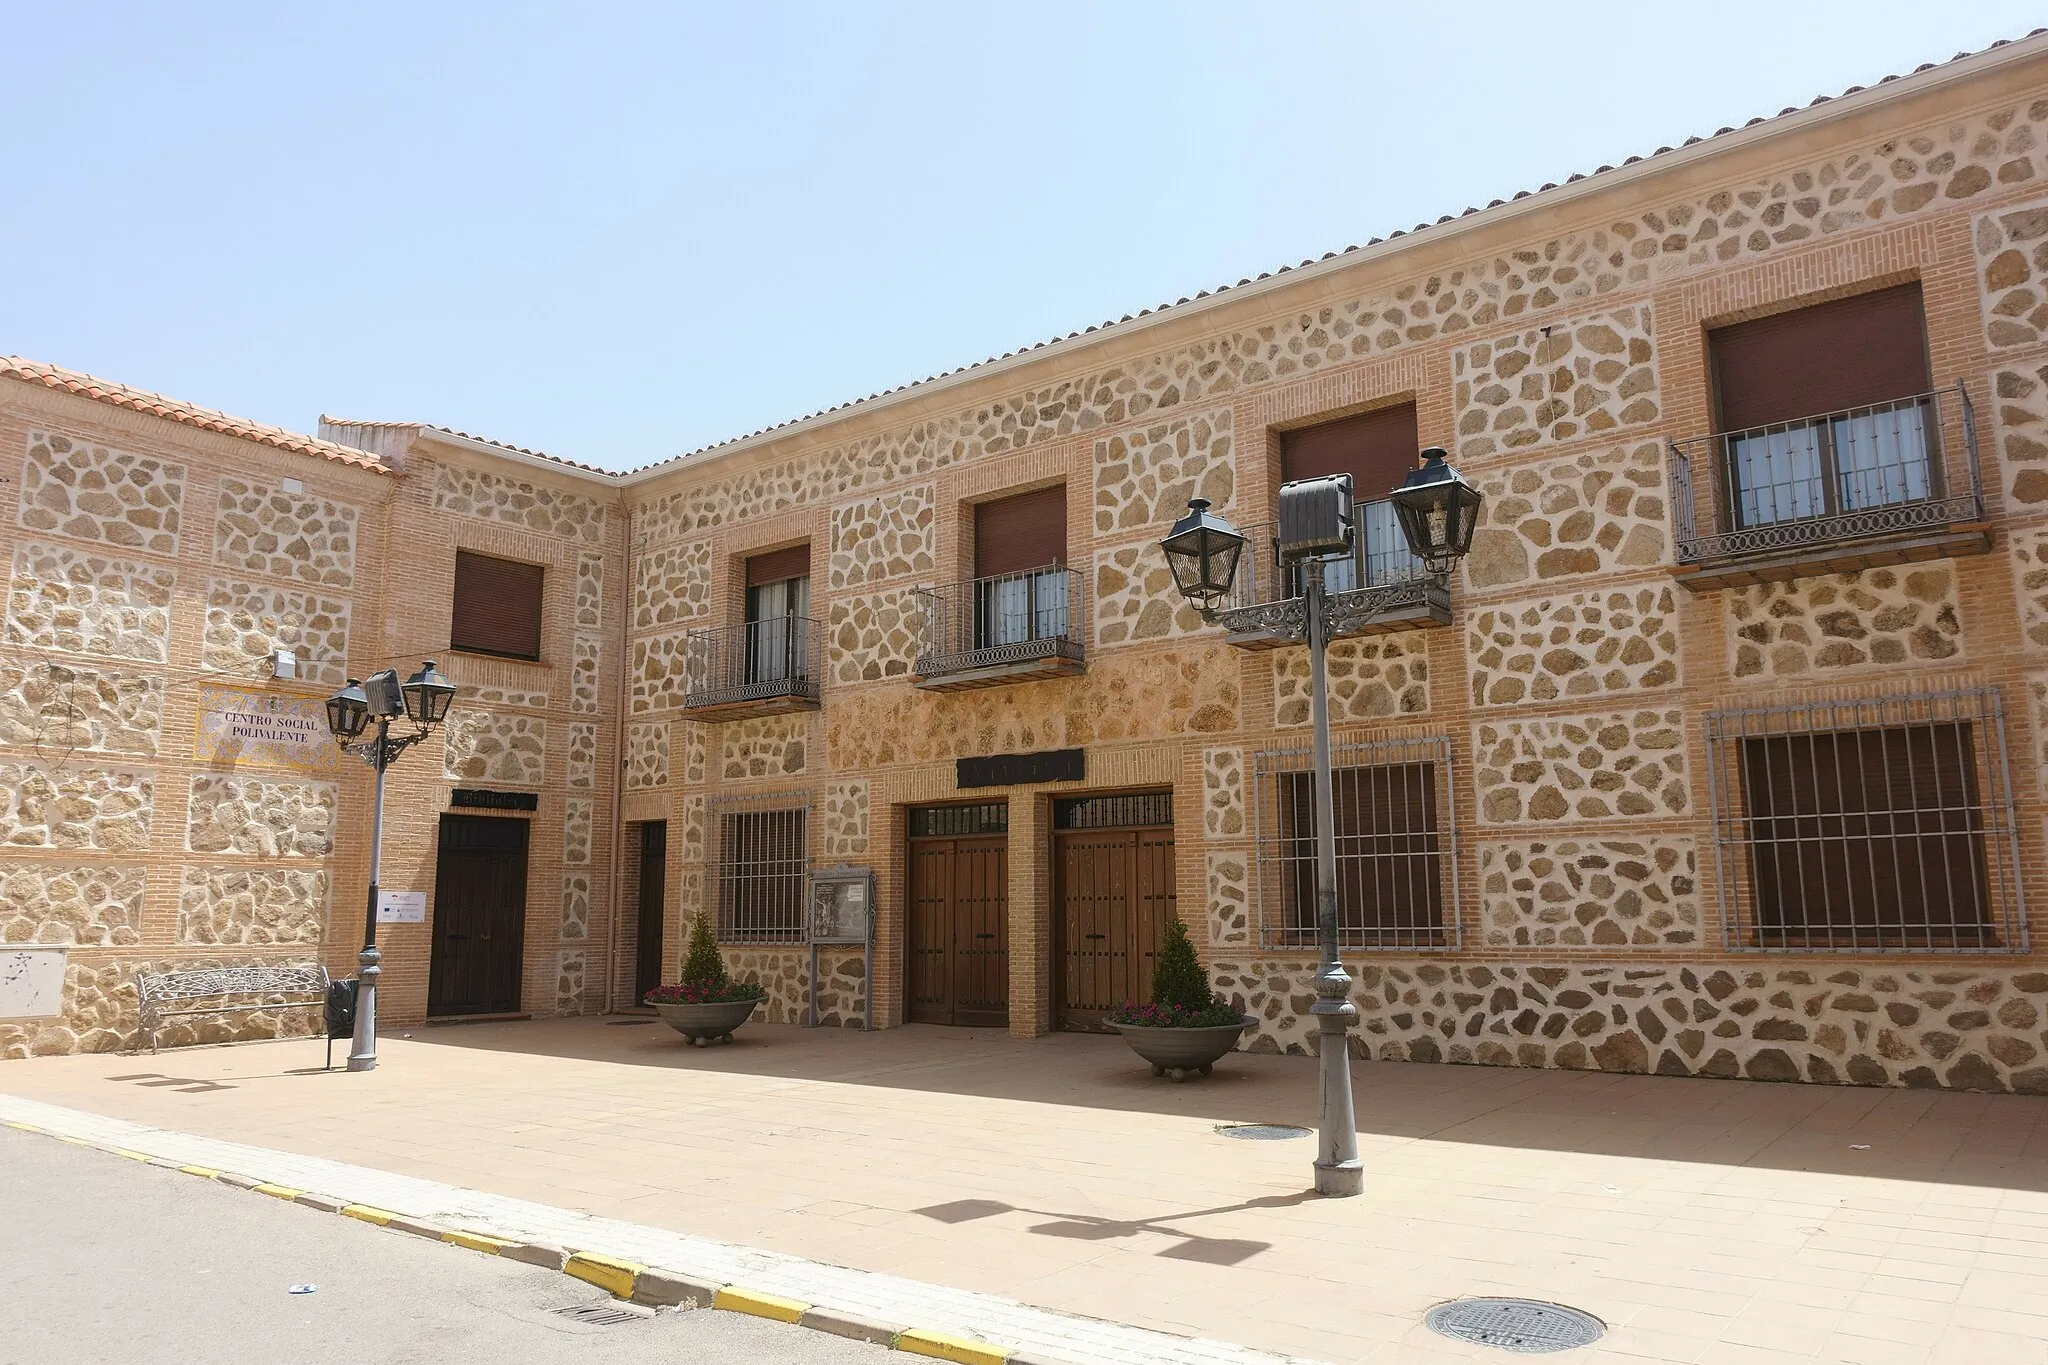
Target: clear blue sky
column 618, row 232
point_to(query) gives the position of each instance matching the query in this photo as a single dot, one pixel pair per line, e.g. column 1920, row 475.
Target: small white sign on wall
column 401, row 907
column 31, row 983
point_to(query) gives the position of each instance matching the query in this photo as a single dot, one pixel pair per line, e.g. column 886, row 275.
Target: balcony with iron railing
column 1379, row 566
column 1832, row 493
column 756, row 668
column 1004, row 628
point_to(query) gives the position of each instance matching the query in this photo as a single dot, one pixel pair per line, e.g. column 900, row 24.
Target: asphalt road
column 103, row 1259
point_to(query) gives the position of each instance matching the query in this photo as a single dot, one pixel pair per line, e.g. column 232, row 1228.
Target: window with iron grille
column 761, row 866
column 1876, row 825
column 954, row 822
column 1396, row 845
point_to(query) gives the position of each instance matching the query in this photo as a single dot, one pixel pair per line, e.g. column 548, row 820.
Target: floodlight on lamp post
column 424, row 699
column 1437, row 510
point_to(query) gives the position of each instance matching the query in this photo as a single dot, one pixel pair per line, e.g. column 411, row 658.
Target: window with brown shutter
column 1377, row 449
column 1824, row 410
column 1389, row 864
column 779, row 565
column 1872, row 836
column 497, row 606
column 1858, row 352
column 1028, row 531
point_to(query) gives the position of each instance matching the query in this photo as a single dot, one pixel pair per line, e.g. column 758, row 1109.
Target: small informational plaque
column 842, row 905
column 272, row 729
column 401, row 907
column 31, row 983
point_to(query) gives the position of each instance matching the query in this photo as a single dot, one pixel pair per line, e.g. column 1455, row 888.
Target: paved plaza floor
column 1702, row 1220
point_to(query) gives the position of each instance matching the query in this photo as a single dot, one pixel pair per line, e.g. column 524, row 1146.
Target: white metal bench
column 228, row 990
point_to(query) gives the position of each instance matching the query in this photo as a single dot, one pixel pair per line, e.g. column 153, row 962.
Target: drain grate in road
column 627, row 1023
column 1261, row 1132
column 1522, row 1326
column 605, row 1314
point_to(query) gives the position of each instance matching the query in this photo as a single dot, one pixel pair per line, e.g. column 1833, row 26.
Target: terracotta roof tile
column 188, row 414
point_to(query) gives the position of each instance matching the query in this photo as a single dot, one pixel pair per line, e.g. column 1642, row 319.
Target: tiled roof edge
column 1522, row 201
column 186, row 414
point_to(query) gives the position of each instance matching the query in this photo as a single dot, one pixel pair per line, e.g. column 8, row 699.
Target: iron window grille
column 1136, row 811
column 1379, row 558
column 1877, row 825
column 1001, row 619
column 1890, row 469
column 761, row 861
column 1397, row 845
column 960, row 822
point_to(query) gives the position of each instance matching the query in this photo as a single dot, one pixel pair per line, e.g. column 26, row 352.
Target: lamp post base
column 362, row 1052
column 1340, row 1179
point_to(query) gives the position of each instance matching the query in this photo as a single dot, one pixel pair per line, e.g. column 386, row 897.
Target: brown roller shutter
column 777, row 565
column 1850, row 353
column 497, row 606
column 1377, row 449
column 1028, row 531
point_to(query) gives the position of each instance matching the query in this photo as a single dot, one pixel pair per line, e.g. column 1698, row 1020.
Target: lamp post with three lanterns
column 1437, row 511
column 424, row 699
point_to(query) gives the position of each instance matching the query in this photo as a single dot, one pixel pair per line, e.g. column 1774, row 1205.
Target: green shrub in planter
column 1181, row 995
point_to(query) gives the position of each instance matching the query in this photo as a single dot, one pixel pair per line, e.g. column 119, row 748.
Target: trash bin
column 341, row 1012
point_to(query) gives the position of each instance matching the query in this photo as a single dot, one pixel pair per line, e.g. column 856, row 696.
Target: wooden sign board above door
column 1017, row 770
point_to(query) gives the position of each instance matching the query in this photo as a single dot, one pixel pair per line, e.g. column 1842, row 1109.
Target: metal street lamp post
column 1438, row 511
column 424, row 699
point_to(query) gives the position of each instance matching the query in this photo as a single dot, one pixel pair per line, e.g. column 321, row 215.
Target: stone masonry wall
column 89, row 492
column 54, row 711
column 1551, row 770
column 245, row 622
column 1838, row 622
column 882, row 538
column 263, row 529
column 490, row 746
column 1601, row 642
column 79, row 601
column 107, row 809
column 1601, row 511
column 1555, row 383
column 1371, row 678
column 1590, row 893
column 281, row 819
column 252, row 906
column 1967, row 1027
column 97, row 905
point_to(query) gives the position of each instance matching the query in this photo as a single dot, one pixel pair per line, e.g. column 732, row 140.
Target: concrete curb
column 624, row 1279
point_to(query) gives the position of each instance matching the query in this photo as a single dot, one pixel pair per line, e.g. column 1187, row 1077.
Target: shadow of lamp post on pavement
column 1437, row 510
column 423, row 699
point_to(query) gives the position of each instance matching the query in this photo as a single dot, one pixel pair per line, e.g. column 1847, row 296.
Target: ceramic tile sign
column 271, row 729
column 31, row 983
column 401, row 907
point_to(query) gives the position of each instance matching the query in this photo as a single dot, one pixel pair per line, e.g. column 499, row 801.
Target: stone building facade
column 1584, row 695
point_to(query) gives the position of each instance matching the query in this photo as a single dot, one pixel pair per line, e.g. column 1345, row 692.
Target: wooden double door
column 479, row 916
column 959, row 942
column 1113, row 893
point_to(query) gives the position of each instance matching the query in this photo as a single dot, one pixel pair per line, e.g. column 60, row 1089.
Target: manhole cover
column 1262, row 1132
column 605, row 1314
column 1523, row 1326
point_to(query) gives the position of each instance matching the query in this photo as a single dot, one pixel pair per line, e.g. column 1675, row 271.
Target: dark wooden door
column 1115, row 893
column 479, row 916
column 653, row 884
column 959, row 941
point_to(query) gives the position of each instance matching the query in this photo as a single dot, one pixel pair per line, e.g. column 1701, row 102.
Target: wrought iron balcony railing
column 1379, row 565
column 1825, row 486
column 1009, row 625
column 765, row 664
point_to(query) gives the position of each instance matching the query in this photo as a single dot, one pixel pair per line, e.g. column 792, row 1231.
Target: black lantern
column 427, row 695
column 348, row 712
column 1438, row 511
column 1203, row 550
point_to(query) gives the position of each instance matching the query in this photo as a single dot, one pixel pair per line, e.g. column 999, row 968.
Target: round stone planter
column 701, row 1023
column 1183, row 1052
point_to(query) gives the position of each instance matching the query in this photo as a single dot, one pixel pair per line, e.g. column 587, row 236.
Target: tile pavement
column 1704, row 1221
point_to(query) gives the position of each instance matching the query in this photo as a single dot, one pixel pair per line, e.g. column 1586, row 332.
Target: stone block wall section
column 1557, row 361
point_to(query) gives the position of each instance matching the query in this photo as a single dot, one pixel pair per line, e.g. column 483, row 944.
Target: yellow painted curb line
column 478, row 1241
column 736, row 1300
column 277, row 1191
column 207, row 1171
column 75, row 1142
column 369, row 1215
column 608, row 1273
column 25, row 1127
column 939, row 1346
column 132, row 1156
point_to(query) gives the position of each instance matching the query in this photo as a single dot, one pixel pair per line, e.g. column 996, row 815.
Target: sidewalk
column 1710, row 1221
